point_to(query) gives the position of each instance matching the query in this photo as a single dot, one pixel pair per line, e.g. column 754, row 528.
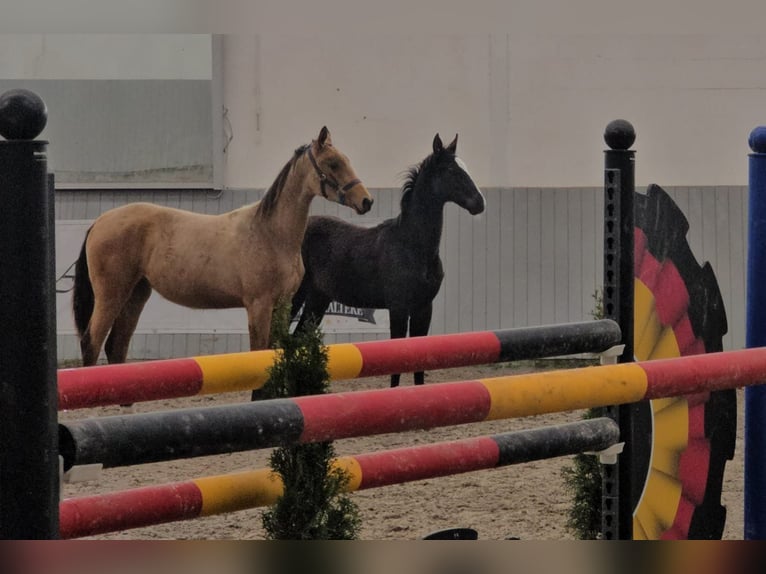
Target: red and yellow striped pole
column 87, row 516
column 152, row 437
column 172, row 378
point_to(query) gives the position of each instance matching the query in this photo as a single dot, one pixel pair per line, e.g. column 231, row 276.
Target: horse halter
column 325, row 179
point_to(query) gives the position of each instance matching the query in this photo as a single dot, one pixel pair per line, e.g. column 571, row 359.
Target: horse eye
column 334, row 165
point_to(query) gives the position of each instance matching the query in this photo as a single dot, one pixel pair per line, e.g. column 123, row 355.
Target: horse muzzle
column 359, row 199
column 476, row 207
column 366, row 206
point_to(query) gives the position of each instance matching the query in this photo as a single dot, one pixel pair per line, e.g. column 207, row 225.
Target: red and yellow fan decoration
column 678, row 312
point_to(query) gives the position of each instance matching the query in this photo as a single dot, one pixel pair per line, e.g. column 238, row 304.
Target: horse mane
column 411, row 178
column 270, row 198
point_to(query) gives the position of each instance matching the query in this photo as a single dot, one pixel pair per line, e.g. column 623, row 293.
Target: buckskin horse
column 249, row 257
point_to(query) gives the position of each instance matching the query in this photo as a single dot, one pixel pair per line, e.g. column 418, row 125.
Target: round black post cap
column 23, row 115
column 619, row 134
column 757, row 139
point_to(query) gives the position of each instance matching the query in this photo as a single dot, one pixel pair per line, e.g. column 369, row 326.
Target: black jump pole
column 618, row 298
column 29, row 466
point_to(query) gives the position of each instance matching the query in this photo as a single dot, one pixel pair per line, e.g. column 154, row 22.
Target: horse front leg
column 313, row 310
column 259, row 324
column 398, row 319
column 420, row 322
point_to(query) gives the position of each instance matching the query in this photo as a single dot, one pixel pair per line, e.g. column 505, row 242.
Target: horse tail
column 82, row 295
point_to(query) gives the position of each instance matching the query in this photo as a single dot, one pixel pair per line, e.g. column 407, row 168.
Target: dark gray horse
column 394, row 265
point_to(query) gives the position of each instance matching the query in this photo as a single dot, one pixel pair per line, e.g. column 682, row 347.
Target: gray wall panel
column 506, row 248
column 127, row 131
column 737, row 274
column 520, row 269
column 179, row 346
column 464, row 269
column 479, row 228
column 561, row 255
column 451, row 257
column 723, row 246
column 533, row 257
column 537, row 265
column 491, row 223
column 572, row 249
column 718, row 234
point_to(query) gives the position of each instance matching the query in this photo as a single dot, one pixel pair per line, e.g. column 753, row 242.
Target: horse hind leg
column 124, row 326
column 398, row 320
column 106, row 309
column 89, row 351
column 314, row 308
column 299, row 297
column 420, row 323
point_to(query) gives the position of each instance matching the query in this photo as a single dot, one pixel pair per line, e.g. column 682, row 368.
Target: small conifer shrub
column 314, row 504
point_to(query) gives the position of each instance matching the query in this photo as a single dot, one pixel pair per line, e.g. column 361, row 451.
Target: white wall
column 105, row 56
column 383, row 98
column 530, row 107
column 693, row 100
column 123, row 109
column 530, row 104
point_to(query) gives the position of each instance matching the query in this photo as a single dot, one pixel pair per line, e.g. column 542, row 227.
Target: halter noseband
column 325, row 179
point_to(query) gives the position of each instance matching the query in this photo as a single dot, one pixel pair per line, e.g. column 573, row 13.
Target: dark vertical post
column 29, row 483
column 755, row 397
column 619, row 187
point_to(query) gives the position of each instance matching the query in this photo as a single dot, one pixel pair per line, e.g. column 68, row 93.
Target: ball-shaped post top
column 23, row 115
column 619, row 134
column 757, row 139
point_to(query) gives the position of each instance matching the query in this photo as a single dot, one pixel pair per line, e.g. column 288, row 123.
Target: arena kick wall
column 532, row 245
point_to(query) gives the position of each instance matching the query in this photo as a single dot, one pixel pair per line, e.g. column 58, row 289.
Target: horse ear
column 324, row 137
column 438, row 146
column 452, row 147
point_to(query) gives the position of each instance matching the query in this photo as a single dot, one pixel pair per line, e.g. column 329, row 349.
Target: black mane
column 411, row 178
column 270, row 198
